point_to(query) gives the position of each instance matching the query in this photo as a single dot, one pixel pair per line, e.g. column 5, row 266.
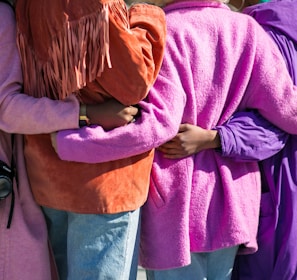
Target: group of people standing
column 159, row 135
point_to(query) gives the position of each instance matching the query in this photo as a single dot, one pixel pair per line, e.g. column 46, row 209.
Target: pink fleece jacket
column 24, row 250
column 216, row 62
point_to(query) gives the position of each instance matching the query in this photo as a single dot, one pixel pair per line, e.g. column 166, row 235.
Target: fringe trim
column 77, row 55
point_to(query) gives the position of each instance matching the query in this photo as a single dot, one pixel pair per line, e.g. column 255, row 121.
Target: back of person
column 212, row 69
column 75, row 46
column 216, row 62
column 277, row 254
column 23, row 234
column 89, row 49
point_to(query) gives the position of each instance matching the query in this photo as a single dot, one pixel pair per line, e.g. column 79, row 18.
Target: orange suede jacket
column 123, row 64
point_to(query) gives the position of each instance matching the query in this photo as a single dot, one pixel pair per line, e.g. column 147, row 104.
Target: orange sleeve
column 136, row 53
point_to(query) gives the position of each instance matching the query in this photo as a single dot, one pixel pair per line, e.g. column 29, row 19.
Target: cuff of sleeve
column 223, row 149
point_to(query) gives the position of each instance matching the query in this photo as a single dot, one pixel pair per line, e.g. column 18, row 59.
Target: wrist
column 54, row 140
column 215, row 140
column 83, row 118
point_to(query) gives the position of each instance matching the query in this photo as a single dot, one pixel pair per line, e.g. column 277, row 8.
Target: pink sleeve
column 161, row 114
column 271, row 90
column 19, row 112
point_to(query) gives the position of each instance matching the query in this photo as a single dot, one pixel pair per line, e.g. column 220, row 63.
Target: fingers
column 175, row 156
column 172, row 153
column 132, row 110
column 172, row 150
column 131, row 113
column 54, row 140
column 172, row 144
column 132, row 120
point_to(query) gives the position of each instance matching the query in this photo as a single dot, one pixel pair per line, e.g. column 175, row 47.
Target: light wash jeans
column 94, row 247
column 215, row 265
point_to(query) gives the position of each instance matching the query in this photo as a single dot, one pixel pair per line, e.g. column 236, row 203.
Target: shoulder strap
column 13, row 169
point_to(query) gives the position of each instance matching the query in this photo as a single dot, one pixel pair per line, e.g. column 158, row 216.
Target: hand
column 111, row 114
column 160, row 3
column 190, row 139
column 54, row 140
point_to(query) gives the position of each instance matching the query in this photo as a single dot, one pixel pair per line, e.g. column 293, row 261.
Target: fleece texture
column 216, row 63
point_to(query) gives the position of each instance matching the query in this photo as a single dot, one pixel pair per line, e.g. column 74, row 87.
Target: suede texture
column 100, row 46
column 98, row 51
column 110, row 187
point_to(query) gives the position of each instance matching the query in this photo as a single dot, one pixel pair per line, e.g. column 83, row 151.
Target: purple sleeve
column 247, row 136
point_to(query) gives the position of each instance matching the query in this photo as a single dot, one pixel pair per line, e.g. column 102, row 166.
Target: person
column 23, row 227
column 202, row 209
column 24, row 241
column 247, row 136
column 276, row 257
column 98, row 52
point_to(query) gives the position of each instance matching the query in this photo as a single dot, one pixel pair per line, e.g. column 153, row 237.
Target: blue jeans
column 215, row 265
column 94, row 247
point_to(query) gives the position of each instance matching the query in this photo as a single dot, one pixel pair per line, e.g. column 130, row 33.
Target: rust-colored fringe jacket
column 98, row 51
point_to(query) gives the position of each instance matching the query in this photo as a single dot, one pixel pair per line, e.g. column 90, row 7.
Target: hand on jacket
column 111, row 114
column 190, row 139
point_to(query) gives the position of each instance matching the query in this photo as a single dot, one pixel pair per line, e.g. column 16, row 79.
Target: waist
column 108, row 187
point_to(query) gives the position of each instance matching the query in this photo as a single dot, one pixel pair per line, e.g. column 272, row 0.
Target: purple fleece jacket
column 210, row 70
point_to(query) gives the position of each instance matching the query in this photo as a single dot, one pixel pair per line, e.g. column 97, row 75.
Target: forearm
column 156, row 125
column 213, row 140
column 247, row 136
column 161, row 115
column 27, row 115
column 20, row 113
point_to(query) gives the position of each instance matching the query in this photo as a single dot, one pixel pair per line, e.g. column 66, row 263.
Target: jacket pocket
column 155, row 194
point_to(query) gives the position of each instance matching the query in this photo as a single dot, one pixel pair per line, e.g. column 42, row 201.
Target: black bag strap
column 14, row 175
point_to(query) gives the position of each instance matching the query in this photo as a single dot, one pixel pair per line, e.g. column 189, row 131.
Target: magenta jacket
column 211, row 69
column 23, row 247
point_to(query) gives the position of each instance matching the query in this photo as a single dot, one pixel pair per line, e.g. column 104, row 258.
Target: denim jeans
column 94, row 247
column 216, row 265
